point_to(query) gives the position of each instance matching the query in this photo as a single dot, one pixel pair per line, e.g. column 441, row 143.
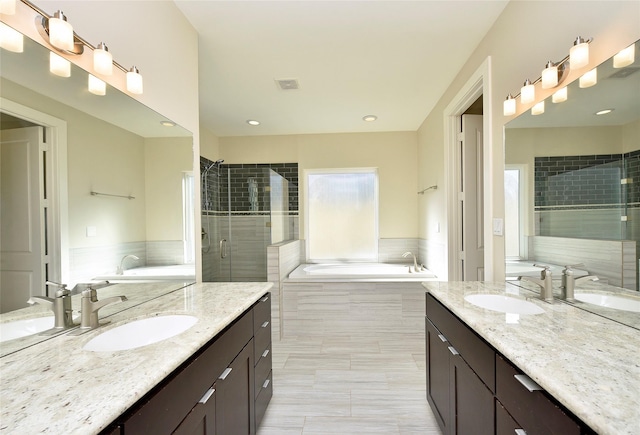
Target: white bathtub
column 358, row 272
column 515, row 269
column 178, row 272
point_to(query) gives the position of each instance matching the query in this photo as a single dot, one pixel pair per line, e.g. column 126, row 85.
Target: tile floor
column 365, row 380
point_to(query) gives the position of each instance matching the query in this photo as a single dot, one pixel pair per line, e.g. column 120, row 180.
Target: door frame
column 478, row 84
column 56, row 133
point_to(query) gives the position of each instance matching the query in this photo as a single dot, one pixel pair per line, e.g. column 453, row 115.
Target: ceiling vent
column 288, row 84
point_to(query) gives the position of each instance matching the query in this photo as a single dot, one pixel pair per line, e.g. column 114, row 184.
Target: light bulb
column 97, row 86
column 58, row 65
column 589, row 78
column 559, row 96
column 538, row 109
column 11, row 39
column 509, row 106
column 60, row 32
column 527, row 92
column 8, row 7
column 625, row 58
column 550, row 76
column 579, row 54
column 102, row 60
column 134, row 81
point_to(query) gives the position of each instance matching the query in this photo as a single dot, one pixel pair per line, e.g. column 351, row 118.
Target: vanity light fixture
column 589, row 78
column 253, row 122
column 11, row 39
column 527, row 92
column 559, row 96
column 625, row 57
column 538, row 109
column 550, row 75
column 97, row 86
column 8, row 7
column 103, row 60
column 579, row 53
column 58, row 65
column 60, row 32
column 369, row 118
column 509, row 106
column 134, row 81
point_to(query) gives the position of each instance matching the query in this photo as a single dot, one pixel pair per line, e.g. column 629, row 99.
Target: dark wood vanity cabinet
column 472, row 389
column 214, row 392
column 263, row 386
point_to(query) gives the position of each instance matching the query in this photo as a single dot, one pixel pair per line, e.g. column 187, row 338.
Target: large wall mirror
column 93, row 187
column 572, row 183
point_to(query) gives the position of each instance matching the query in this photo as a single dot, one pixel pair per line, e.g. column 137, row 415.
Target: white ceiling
column 392, row 59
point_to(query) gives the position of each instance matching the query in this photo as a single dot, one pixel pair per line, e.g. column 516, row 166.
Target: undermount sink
column 140, row 333
column 504, row 304
column 610, row 301
column 24, row 327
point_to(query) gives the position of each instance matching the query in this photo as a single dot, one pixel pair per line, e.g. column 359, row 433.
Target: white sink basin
column 24, row 328
column 504, row 304
column 610, row 301
column 140, row 333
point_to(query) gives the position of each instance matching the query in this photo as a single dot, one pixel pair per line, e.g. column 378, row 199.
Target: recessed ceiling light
column 604, row 112
column 253, row 122
column 369, row 118
column 168, row 123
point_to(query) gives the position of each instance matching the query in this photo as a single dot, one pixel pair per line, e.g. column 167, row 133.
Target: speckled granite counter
column 587, row 362
column 56, row 387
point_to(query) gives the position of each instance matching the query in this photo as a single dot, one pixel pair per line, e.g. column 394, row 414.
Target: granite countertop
column 588, row 363
column 57, row 387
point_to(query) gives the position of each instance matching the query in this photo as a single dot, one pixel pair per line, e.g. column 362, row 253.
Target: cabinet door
column 235, row 395
column 438, row 375
column 202, row 418
column 472, row 403
column 505, row 424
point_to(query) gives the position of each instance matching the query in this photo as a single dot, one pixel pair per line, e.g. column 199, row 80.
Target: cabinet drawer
column 262, row 341
column 535, row 411
column 263, row 369
column 262, row 312
column 473, row 349
column 505, row 424
column 262, row 401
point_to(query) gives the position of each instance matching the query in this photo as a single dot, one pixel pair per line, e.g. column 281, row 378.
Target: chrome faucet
column 60, row 305
column 120, row 270
column 416, row 268
column 545, row 282
column 90, row 306
column 569, row 281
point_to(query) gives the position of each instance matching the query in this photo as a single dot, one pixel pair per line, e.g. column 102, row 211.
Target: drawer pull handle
column 453, row 351
column 207, row 396
column 224, row 374
column 265, row 353
column 264, row 299
column 528, row 383
column 266, row 383
column 521, row 432
column 442, row 338
column 265, row 324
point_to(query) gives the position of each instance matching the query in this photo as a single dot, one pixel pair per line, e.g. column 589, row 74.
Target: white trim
column 478, row 84
column 59, row 203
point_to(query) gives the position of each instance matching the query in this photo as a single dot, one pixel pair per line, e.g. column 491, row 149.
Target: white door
column 22, row 231
column 471, row 200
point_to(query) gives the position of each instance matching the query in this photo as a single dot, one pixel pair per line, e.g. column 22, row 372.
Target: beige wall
column 525, row 36
column 392, row 153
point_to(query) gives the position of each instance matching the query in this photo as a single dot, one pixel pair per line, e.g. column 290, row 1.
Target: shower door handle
column 223, row 248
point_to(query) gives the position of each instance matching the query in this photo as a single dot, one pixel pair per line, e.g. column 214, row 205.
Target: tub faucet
column 416, row 268
column 569, row 281
column 90, row 306
column 120, row 270
column 60, row 305
column 545, row 283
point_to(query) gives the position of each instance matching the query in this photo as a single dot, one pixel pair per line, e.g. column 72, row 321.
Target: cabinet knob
column 265, row 299
column 224, row 374
column 453, row 351
column 266, row 383
column 521, row 432
column 528, row 383
column 265, row 353
column 207, row 395
column 442, row 338
column 265, row 324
